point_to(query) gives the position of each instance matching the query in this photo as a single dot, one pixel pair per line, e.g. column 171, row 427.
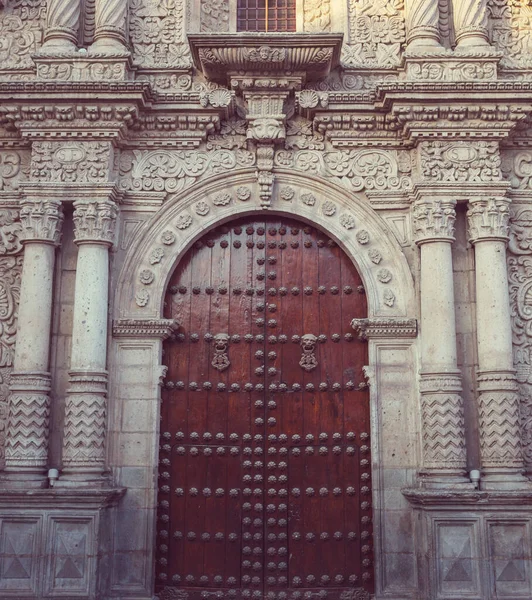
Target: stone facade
column 401, row 129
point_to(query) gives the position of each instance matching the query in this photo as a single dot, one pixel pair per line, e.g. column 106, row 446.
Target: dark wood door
column 265, row 469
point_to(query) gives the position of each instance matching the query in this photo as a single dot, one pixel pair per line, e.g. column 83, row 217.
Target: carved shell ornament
column 220, row 360
column 308, row 360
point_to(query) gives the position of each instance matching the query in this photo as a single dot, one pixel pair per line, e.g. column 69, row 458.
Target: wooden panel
column 265, row 480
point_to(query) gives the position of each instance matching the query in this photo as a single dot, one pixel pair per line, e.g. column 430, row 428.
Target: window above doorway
column 266, row 15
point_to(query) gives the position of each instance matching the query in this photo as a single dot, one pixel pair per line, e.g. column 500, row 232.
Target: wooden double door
column 265, row 468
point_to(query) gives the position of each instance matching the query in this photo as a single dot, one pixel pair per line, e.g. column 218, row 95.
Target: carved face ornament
column 308, row 360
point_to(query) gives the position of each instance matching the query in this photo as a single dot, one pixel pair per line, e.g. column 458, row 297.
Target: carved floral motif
column 21, row 32
column 95, row 221
column 511, row 31
column 156, row 31
column 317, row 16
column 355, row 169
column 214, row 15
column 520, row 282
column 172, row 171
column 376, row 34
column 460, row 161
column 72, row 162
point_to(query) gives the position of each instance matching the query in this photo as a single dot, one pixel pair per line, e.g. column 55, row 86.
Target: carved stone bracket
column 385, row 328
column 134, row 328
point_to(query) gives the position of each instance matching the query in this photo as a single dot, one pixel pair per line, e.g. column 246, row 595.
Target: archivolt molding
column 347, row 217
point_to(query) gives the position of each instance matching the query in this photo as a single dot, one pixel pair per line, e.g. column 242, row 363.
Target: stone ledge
column 385, row 328
column 132, row 328
column 488, row 499
column 59, row 498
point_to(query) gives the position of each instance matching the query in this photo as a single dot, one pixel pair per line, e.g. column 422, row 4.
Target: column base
column 17, row 480
column 438, row 480
column 77, row 480
column 493, row 480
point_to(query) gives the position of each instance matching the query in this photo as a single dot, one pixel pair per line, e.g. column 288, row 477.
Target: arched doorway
column 265, row 470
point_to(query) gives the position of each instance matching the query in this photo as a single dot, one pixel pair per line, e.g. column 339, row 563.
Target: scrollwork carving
column 21, row 32
column 156, row 31
column 317, row 16
column 214, row 15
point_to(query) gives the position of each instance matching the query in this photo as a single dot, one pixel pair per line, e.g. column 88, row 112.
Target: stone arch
column 345, row 216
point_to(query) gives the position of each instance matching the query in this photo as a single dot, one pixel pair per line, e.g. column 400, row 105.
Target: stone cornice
column 311, row 56
column 462, row 191
column 436, row 499
column 385, row 328
column 140, row 328
column 67, row 192
column 61, row 498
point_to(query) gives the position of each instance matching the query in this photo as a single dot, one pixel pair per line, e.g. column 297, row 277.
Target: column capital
column 95, row 221
column 488, row 219
column 433, row 220
column 41, row 220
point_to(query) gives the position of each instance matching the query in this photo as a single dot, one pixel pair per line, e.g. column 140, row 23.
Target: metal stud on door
column 264, row 475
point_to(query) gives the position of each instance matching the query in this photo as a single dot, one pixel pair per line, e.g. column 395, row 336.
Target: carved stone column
column 500, row 437
column 110, row 22
column 422, row 18
column 85, row 413
column 444, row 451
column 62, row 24
column 29, row 402
column 471, row 23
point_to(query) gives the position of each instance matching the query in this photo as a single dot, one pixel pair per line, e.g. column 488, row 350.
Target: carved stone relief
column 10, row 274
column 157, row 33
column 72, row 162
column 520, row 281
column 21, row 32
column 214, row 15
column 13, row 168
column 511, row 31
column 376, row 34
column 317, row 16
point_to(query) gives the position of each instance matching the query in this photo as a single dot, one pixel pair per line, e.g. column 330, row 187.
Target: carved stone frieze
column 376, row 34
column 157, row 34
column 95, row 221
column 433, row 220
column 133, row 328
column 460, row 161
column 22, row 25
column 172, row 171
column 41, row 220
column 12, row 169
column 71, row 162
column 511, row 32
column 81, row 68
column 355, row 169
column 450, row 67
column 385, row 328
column 488, row 219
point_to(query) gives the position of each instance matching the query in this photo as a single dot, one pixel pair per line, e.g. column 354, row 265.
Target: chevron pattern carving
column 443, row 431
column 27, row 439
column 500, row 439
column 84, row 441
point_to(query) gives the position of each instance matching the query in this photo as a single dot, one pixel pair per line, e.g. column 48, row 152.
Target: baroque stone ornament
column 41, row 220
column 488, row 219
column 10, row 170
column 308, row 361
column 220, row 359
column 317, row 16
column 72, row 162
column 95, row 221
column 22, row 25
column 214, row 15
column 460, row 161
column 433, row 219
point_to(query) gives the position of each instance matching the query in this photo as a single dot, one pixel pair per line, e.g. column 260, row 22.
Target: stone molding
column 488, row 220
column 138, row 328
column 41, row 220
column 475, row 498
column 433, row 221
column 95, row 221
column 385, row 328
